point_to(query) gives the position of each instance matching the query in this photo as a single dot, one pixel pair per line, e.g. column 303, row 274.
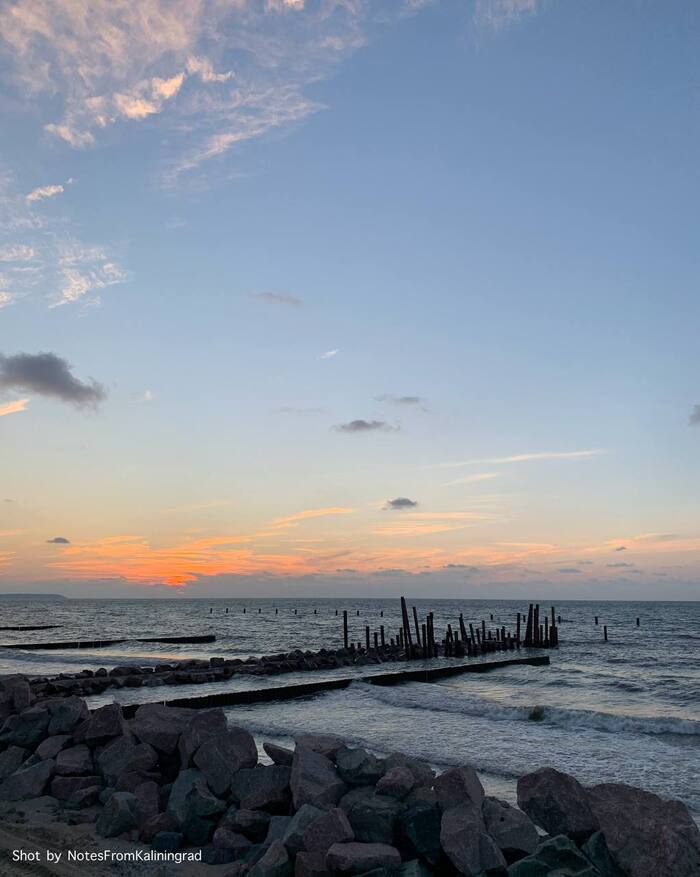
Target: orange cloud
column 291, row 520
column 13, row 407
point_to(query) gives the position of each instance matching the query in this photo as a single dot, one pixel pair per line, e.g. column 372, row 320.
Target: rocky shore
column 184, row 780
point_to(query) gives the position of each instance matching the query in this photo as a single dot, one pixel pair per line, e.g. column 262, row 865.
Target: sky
column 325, row 297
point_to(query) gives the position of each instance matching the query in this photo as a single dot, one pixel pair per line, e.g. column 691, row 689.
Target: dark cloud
column 347, row 570
column 694, row 418
column 58, row 540
column 462, row 566
column 401, row 502
column 277, row 298
column 365, row 426
column 48, row 375
column 400, row 400
column 568, row 569
column 620, row 565
column 621, row 548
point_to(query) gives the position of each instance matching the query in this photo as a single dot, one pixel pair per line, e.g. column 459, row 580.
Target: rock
column 212, row 855
column 311, row 865
column 466, row 843
column 276, row 828
column 15, row 695
column 596, row 851
column 251, row 823
column 202, row 727
column 323, row 744
column 65, row 788
column 293, row 837
column 374, row 819
column 177, row 802
column 557, row 802
column 157, row 824
column 279, row 754
column 28, row 782
column 558, row 856
column 220, row 757
column 76, row 761
column 105, row 723
column 85, row 797
column 200, row 802
column 275, row 863
column 354, row 858
column 513, row 831
column 118, row 815
column 422, row 772
column 122, row 756
column 197, row 830
column 648, row 836
column 418, row 832
column 357, row 767
column 161, row 726
column 226, row 839
column 11, row 759
column 265, row 787
column 167, row 841
column 314, row 779
column 147, row 802
column 329, row 828
column 414, row 868
column 51, row 746
column 349, row 799
column 396, row 783
column 26, row 729
column 459, row 786
column 66, row 714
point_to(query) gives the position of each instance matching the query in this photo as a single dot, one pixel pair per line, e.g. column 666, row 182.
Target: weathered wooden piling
column 345, row 628
column 605, row 632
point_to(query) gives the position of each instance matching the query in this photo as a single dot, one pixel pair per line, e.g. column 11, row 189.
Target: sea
column 626, row 710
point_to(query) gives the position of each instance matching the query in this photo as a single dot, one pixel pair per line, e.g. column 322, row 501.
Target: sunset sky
column 346, row 296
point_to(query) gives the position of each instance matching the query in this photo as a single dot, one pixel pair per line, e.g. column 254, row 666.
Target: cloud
column 400, row 400
column 620, row 565
column 48, row 375
column 13, row 407
column 277, row 298
column 43, row 192
column 475, row 478
column 58, row 540
column 85, row 269
column 147, row 396
column 365, row 426
column 329, row 354
column 296, row 518
column 694, row 418
column 16, row 253
column 568, row 569
column 465, row 567
column 621, row 548
column 401, row 502
column 528, row 458
column 494, row 15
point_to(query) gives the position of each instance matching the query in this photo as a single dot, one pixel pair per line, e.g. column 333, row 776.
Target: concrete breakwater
column 181, row 779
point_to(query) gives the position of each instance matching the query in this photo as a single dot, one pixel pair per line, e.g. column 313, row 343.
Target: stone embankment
column 178, row 779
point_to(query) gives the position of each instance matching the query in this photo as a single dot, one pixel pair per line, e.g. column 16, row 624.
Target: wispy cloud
column 41, row 193
column 48, row 375
column 277, row 298
column 694, row 418
column 475, row 478
column 13, row 407
column 400, row 400
column 329, row 354
column 307, row 514
column 527, row 458
column 494, row 15
column 16, row 253
column 355, row 426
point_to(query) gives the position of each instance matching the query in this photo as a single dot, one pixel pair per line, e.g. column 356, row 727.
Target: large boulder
column 323, row 744
column 75, row 761
column 423, row 773
column 66, row 788
column 396, row 783
column 177, row 801
column 558, row 856
column 66, row 714
column 123, row 755
column 203, row 726
column 11, row 759
column 293, row 837
column 28, row 782
column 161, row 726
column 274, row 863
column 221, row 756
column 356, row 858
column 278, row 754
column 251, row 823
column 418, row 832
column 264, row 787
column 648, row 836
column 329, row 828
column 104, row 724
column 118, row 815
column 374, row 819
column 558, row 803
column 147, row 802
column 357, row 767
column 314, row 779
column 466, row 843
column 15, row 695
column 226, row 839
column 513, row 830
column 51, row 746
column 26, row 729
column 459, row 786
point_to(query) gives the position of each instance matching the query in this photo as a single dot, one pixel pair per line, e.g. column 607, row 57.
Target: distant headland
column 38, row 597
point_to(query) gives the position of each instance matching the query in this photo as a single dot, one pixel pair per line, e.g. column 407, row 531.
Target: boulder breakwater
column 171, row 780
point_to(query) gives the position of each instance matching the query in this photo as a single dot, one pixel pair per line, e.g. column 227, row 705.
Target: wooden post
column 367, row 636
column 462, row 628
column 528, row 629
column 244, row 610
column 537, row 626
column 406, row 629
column 345, row 628
column 605, row 632
column 471, row 633
column 227, row 610
column 596, row 619
column 517, row 630
column 376, row 641
column 381, row 631
column 503, row 635
column 381, row 614
column 483, row 629
column 415, row 620
column 637, row 621
column 558, row 619
column 545, row 642
column 425, row 640
column 276, row 611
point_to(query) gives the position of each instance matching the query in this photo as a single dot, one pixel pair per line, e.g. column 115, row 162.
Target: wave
column 437, row 699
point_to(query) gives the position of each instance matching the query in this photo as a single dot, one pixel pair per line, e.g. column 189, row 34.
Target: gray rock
column 293, row 837
column 355, row 858
column 11, row 759
column 200, row 801
column 314, row 779
column 329, row 828
column 28, row 782
column 596, row 851
column 418, row 832
column 323, row 744
column 276, row 828
column 202, row 727
column 459, row 786
column 557, row 802
column 357, row 767
column 50, row 747
column 197, row 830
column 156, row 824
column 183, row 785
column 513, row 830
column 122, row 756
column 279, row 754
column 26, row 729
column 220, row 757
column 251, row 823
column 422, row 772
column 559, row 856
column 147, row 802
column 66, row 714
column 361, row 793
column 648, row 836
column 15, row 695
column 374, row 819
column 414, row 868
column 161, row 726
column 105, row 723
column 311, row 865
column 75, row 761
column 265, row 787
column 83, row 798
column 167, row 841
column 65, row 788
column 226, row 839
column 396, row 783
column 118, row 815
column 466, row 843
column 274, row 863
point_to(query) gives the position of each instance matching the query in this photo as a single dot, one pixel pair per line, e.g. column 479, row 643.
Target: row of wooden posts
column 457, row 642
